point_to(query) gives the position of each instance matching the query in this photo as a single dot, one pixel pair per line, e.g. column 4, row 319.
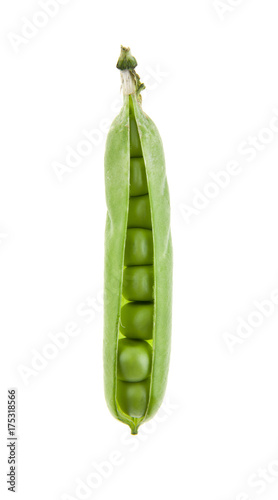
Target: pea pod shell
column 117, row 172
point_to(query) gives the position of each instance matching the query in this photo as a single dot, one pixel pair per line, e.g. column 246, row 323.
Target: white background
column 212, row 82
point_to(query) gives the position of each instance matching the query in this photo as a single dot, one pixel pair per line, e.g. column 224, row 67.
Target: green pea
column 134, row 360
column 138, row 179
column 133, row 397
column 138, row 260
column 139, row 212
column 139, row 247
column 137, row 320
column 138, row 282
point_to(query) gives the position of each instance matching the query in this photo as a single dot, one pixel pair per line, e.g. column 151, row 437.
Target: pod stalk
column 128, row 83
column 131, row 83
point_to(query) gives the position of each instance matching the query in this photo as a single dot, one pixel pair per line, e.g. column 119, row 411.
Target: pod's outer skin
column 117, row 172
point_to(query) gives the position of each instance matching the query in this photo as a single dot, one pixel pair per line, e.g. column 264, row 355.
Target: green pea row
column 138, row 260
column 135, row 356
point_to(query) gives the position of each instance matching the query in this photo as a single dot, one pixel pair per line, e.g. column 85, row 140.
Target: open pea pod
column 138, row 260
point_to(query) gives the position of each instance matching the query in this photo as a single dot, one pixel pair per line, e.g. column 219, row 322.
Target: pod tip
column 126, row 59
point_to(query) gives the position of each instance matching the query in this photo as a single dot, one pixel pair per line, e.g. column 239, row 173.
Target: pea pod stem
column 128, row 83
column 131, row 83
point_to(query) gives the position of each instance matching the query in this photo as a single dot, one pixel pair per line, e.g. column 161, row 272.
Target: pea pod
column 138, row 260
